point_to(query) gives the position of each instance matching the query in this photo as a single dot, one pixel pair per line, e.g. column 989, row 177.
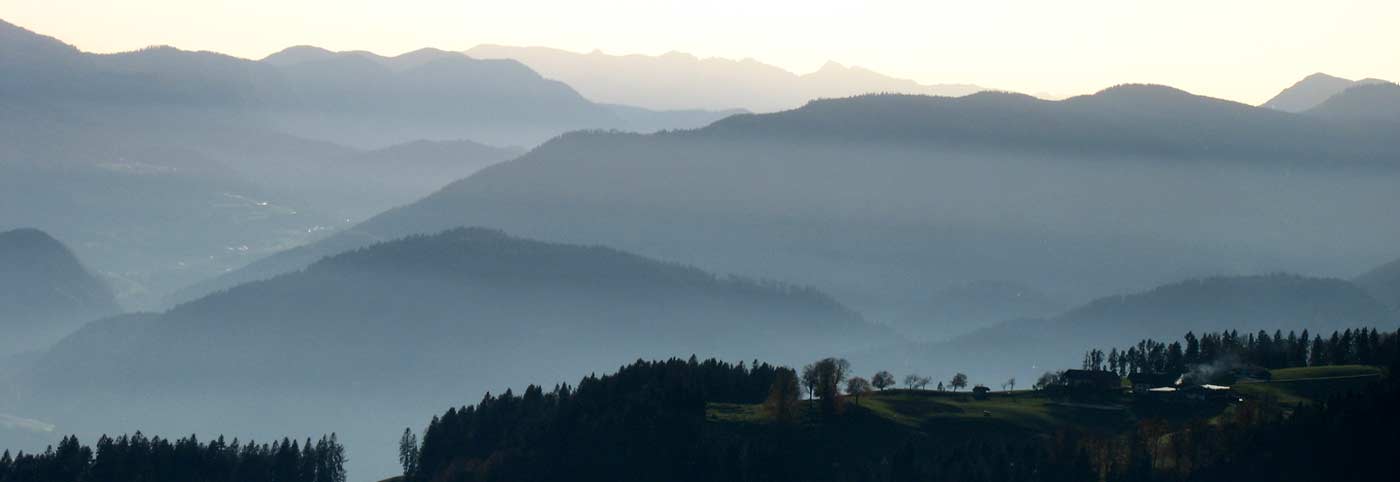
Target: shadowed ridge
column 45, row 292
column 1377, row 102
column 297, row 54
column 31, row 251
column 394, row 327
column 1149, row 98
column 1244, row 303
column 1383, row 283
column 17, row 41
column 1312, row 91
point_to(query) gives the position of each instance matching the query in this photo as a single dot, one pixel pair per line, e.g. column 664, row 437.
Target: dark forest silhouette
column 648, row 422
column 133, row 458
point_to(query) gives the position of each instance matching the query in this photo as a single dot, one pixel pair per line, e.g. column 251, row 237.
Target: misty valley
column 529, row 264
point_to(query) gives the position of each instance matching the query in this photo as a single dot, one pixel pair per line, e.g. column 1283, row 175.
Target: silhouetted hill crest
column 45, row 292
column 1247, row 304
column 1367, row 103
column 297, row 54
column 1312, row 91
column 1383, row 283
column 668, row 81
column 1247, row 301
column 463, row 297
column 493, row 256
column 19, row 42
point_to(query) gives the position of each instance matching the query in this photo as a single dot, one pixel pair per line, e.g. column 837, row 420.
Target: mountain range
column 366, row 100
column 322, row 235
column 678, row 80
column 876, row 199
column 367, row 340
column 162, row 166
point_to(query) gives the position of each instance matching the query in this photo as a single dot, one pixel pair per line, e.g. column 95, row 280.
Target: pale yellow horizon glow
column 1244, row 50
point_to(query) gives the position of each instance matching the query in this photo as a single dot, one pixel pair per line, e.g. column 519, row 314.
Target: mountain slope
column 876, row 198
column 45, row 292
column 1383, row 283
column 1312, row 91
column 1244, row 303
column 677, row 80
column 965, row 307
column 356, row 184
column 1371, row 103
column 475, row 281
column 396, row 327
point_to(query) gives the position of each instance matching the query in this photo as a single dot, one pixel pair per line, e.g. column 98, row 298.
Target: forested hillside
column 371, row 337
column 693, row 420
column 1244, row 304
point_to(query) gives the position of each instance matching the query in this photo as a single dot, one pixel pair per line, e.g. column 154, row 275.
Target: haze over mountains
column 324, row 241
column 392, row 330
column 245, row 158
column 678, row 80
column 881, row 200
column 1312, row 91
column 366, row 100
column 1383, row 283
column 366, row 340
column 1025, row 347
column 45, row 292
column 1364, row 104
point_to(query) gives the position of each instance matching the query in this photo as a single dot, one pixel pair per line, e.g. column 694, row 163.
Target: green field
column 935, row 413
column 1031, row 412
column 1291, row 386
column 1325, row 372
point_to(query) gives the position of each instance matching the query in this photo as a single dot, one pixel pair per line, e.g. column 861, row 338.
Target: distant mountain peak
column 832, row 66
column 1157, row 98
column 1312, row 91
column 27, row 237
column 668, row 81
column 678, row 55
column 298, row 54
column 308, row 53
column 1320, row 77
column 1142, row 89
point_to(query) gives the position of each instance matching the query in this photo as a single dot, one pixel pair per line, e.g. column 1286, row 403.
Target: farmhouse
column 1091, row 380
column 1144, row 382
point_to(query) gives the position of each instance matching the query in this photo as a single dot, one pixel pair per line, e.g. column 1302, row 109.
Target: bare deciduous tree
column 959, row 381
column 857, row 386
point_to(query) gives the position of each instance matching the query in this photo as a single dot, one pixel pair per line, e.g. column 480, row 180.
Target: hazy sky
column 1239, row 49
